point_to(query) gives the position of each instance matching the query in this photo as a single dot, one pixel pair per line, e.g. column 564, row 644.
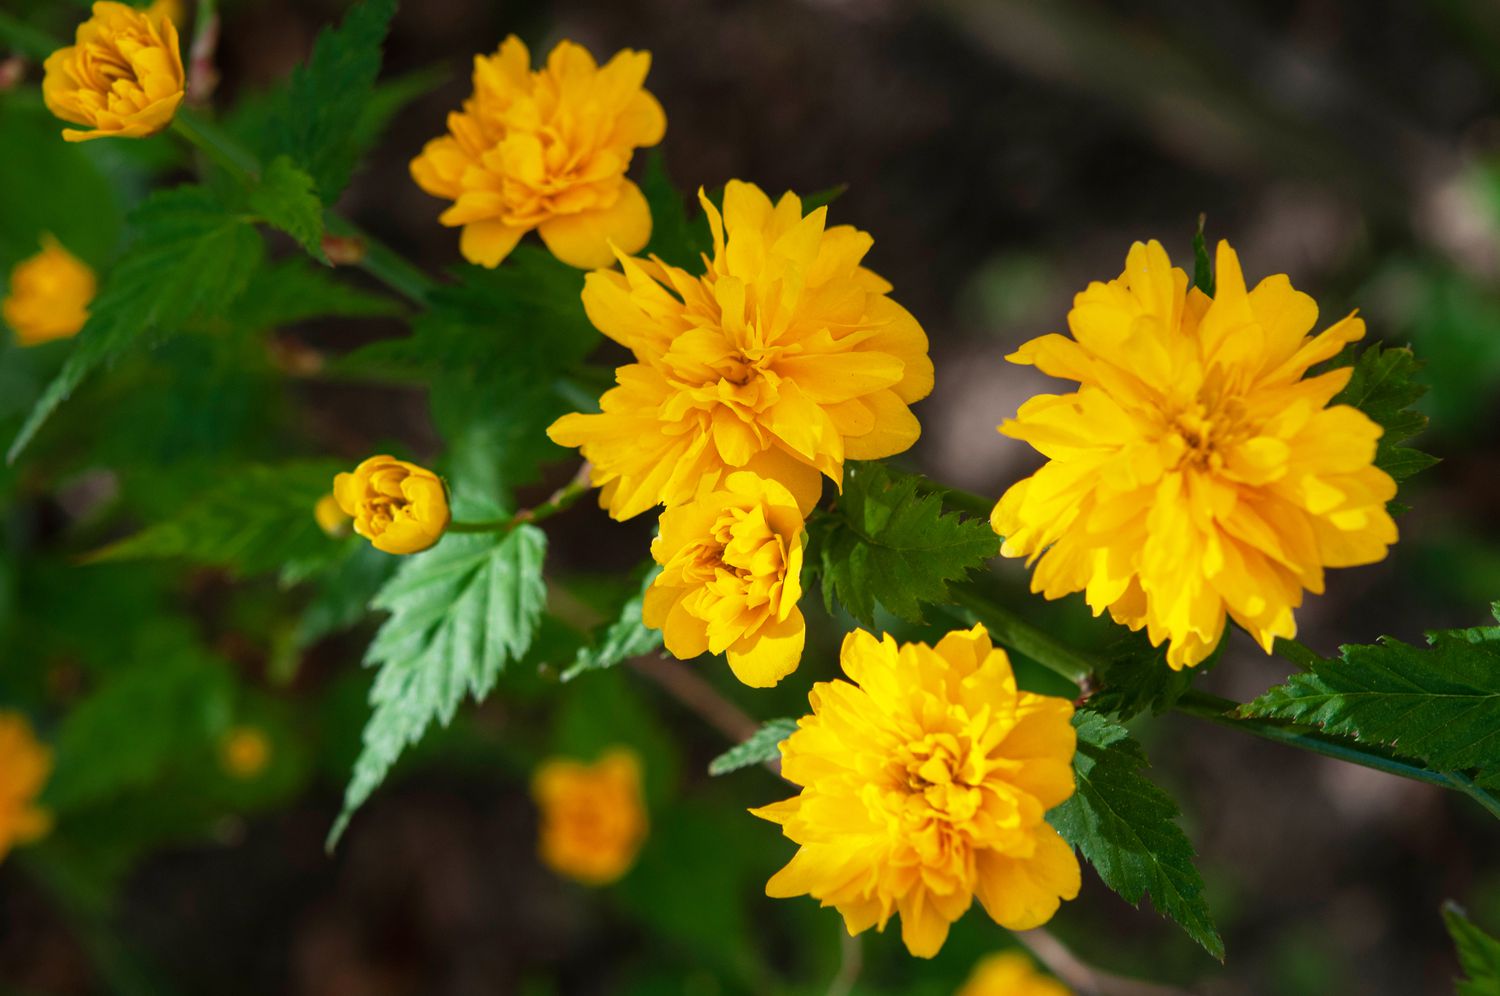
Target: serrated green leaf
column 189, row 256
column 626, row 637
column 286, row 199
column 1127, row 829
column 1478, row 953
column 1135, row 677
column 259, row 520
column 1439, row 704
column 294, row 290
column 1384, row 386
column 459, row 614
column 317, row 121
column 886, row 543
column 763, row 747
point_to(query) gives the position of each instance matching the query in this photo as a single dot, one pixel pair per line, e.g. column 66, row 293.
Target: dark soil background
column 1003, row 153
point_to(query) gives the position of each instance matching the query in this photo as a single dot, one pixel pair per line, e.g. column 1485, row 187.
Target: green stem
column 382, row 262
column 1010, row 629
column 561, row 499
column 964, row 501
column 1465, row 784
column 209, row 139
column 1297, row 653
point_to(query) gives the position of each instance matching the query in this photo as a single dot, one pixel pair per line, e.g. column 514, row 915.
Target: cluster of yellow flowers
column 1197, row 474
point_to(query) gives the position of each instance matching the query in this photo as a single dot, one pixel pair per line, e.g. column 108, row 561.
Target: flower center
column 1201, row 431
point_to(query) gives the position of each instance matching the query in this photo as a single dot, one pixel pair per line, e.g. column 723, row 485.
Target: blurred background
column 1003, row 153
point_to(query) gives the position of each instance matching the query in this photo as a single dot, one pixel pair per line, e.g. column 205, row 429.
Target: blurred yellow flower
column 593, row 820
column 925, row 783
column 245, row 752
column 122, row 76
column 398, row 506
column 1194, row 472
column 729, row 582
column 785, row 358
column 1011, row 973
column 24, row 767
column 49, row 295
column 332, row 518
column 546, row 150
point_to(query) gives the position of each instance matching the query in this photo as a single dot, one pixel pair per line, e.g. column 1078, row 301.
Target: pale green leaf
column 626, row 637
column 1478, row 953
column 762, row 747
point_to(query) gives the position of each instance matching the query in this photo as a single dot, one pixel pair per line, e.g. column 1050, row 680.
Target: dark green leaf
column 189, row 256
column 459, row 614
column 763, row 747
column 286, row 199
column 884, row 542
column 1384, row 386
column 294, row 290
column 1478, row 953
column 318, row 118
column 677, row 236
column 1203, row 267
column 1439, row 704
column 1135, row 677
column 344, row 590
column 261, row 519
column 1127, row 829
column 626, row 637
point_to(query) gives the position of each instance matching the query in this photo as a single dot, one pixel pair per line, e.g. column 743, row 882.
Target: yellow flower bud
column 398, row 506
column 245, row 752
column 49, row 295
column 332, row 519
column 122, row 76
column 24, row 767
column 593, row 819
column 1011, row 973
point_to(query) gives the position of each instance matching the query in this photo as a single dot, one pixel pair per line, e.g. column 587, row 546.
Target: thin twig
column 689, row 688
column 851, row 963
column 203, row 75
column 1086, row 980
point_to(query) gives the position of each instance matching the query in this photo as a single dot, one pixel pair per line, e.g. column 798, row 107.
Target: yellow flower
column 729, row 584
column 245, row 752
column 122, row 76
column 49, row 295
column 332, row 519
column 1196, row 471
column 546, row 150
column 398, row 506
column 1010, row 973
column 24, row 767
column 593, row 821
column 785, row 359
column 924, row 785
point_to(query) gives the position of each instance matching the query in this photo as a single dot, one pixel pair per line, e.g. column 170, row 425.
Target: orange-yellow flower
column 1011, row 973
column 122, row 76
column 331, row 517
column 398, row 506
column 729, row 581
column 49, row 295
column 245, row 752
column 785, row 358
column 24, row 767
column 546, row 150
column 1197, row 471
column 925, row 783
column 593, row 820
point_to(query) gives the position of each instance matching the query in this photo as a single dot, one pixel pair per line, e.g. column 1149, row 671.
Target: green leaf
column 459, row 614
column 171, row 700
column 1127, row 829
column 1203, row 267
column 763, row 747
column 286, row 199
column 1478, row 953
column 189, row 257
column 1439, row 704
column 1135, row 677
column 294, row 290
column 344, row 590
column 626, row 637
column 261, row 519
column 676, row 237
column 319, row 118
column 1384, row 386
column 884, row 542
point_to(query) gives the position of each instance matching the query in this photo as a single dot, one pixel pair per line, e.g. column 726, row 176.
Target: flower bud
column 593, row 819
column 49, row 295
column 332, row 519
column 123, row 75
column 398, row 506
